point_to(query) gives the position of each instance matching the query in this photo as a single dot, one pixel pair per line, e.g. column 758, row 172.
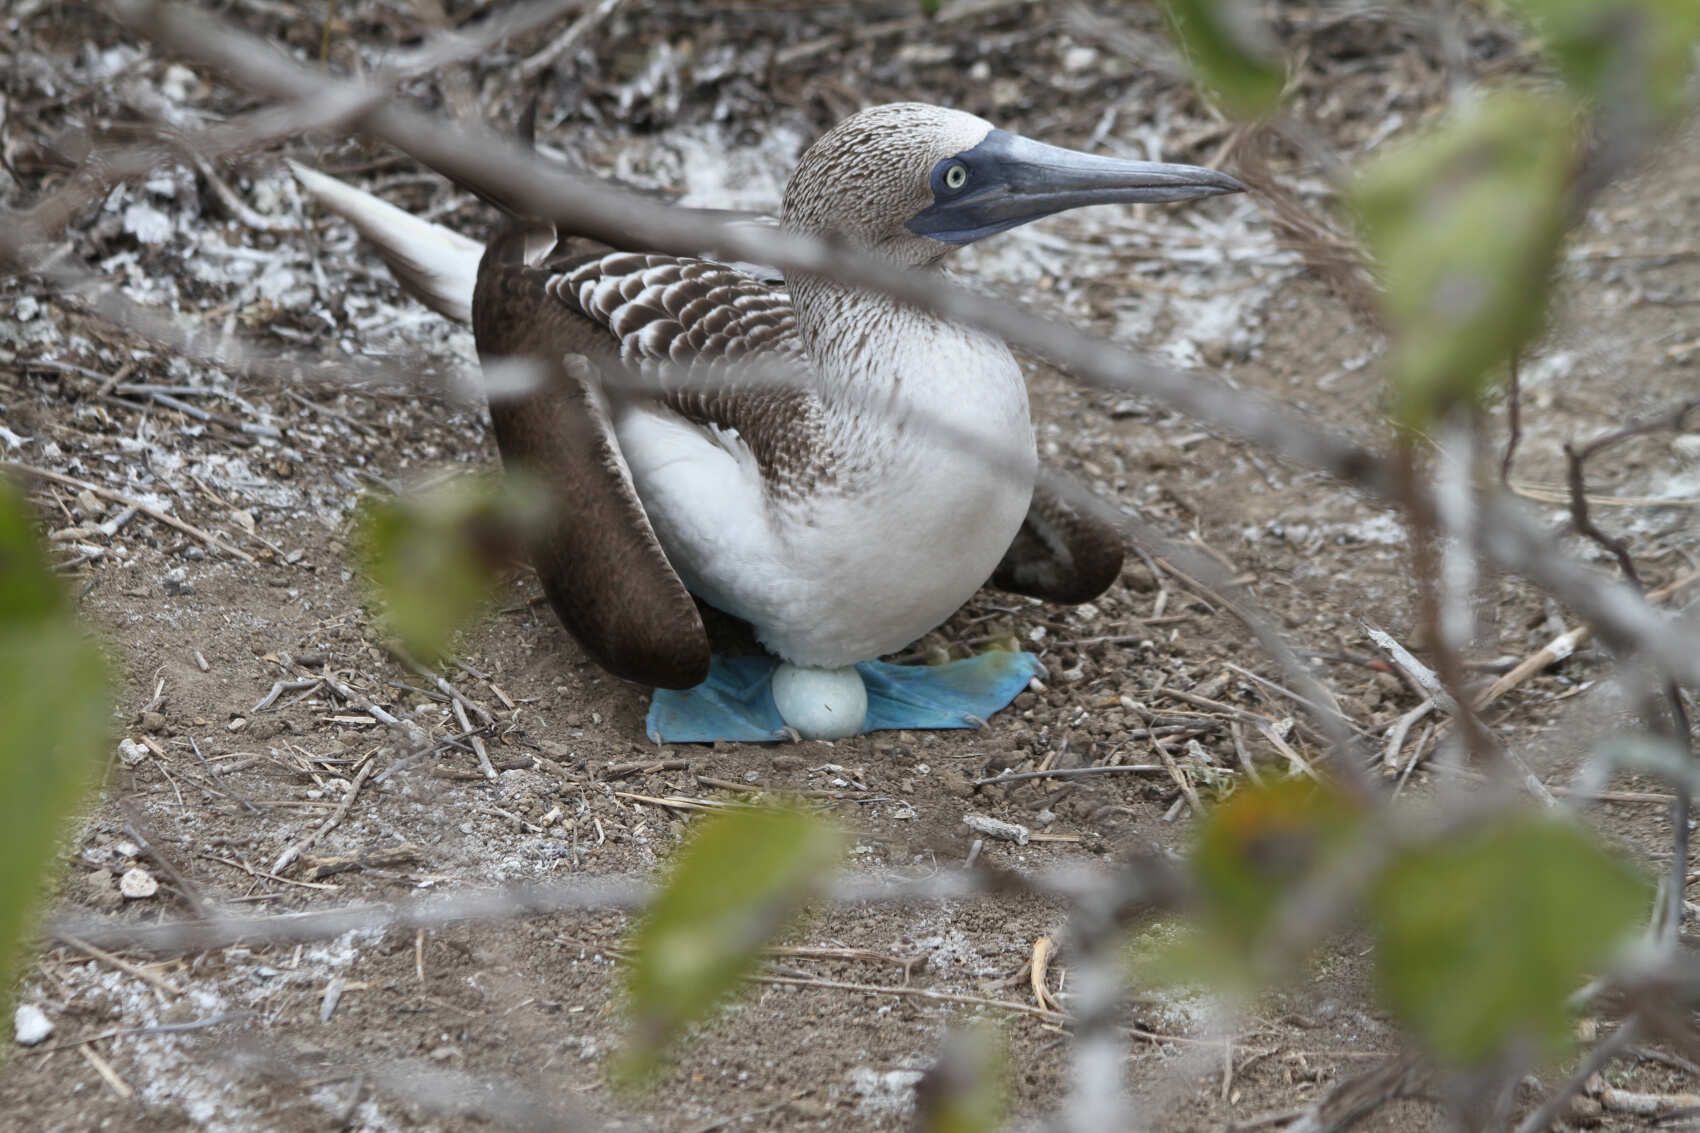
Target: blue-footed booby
column 827, row 509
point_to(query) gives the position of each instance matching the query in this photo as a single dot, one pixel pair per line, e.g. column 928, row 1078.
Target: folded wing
column 608, row 329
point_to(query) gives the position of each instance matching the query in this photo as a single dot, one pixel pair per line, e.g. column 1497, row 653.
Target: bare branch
column 340, row 107
column 1604, row 1051
column 1676, row 724
column 1148, row 881
column 567, row 40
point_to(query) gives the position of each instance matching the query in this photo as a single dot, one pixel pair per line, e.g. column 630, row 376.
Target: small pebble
column 100, row 890
column 29, row 1026
column 131, row 753
column 137, row 884
column 1078, row 58
column 997, row 828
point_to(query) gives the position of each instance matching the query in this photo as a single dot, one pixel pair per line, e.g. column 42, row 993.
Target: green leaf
column 1612, row 50
column 1483, row 938
column 743, row 876
column 55, row 702
column 966, row 1090
column 1231, row 52
column 1465, row 226
column 1255, row 849
column 432, row 558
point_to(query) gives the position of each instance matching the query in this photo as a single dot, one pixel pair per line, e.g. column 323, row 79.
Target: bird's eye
column 956, row 176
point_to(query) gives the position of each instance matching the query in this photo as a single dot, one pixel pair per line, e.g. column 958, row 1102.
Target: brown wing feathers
column 680, row 322
column 584, row 312
column 599, row 560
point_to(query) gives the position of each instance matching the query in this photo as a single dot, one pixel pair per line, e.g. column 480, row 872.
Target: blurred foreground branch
column 1147, row 881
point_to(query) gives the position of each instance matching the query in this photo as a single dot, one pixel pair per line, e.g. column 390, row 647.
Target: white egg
column 821, row 704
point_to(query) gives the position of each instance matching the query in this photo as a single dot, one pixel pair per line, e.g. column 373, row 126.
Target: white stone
column 1078, row 58
column 147, row 224
column 888, row 1093
column 821, row 704
column 30, row 1026
column 137, row 883
column 131, row 752
column 997, row 828
column 179, row 83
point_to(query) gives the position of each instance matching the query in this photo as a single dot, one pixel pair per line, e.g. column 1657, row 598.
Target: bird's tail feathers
column 433, row 264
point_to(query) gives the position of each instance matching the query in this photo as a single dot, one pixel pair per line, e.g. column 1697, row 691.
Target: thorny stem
column 1582, row 517
column 1513, row 419
column 1676, row 723
column 1425, row 565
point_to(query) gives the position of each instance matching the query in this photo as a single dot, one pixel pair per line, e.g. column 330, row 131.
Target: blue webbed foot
column 736, row 702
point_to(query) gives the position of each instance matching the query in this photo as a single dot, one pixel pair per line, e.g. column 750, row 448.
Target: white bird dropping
column 137, row 884
column 30, row 1026
column 821, row 704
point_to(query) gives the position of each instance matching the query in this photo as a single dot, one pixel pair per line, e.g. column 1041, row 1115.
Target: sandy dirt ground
column 711, row 104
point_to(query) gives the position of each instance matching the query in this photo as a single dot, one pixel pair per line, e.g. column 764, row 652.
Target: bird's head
column 912, row 182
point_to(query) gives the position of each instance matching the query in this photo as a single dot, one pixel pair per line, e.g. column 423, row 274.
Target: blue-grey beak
column 1008, row 180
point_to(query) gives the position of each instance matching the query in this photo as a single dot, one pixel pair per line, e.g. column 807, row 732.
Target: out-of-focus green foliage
column 1617, row 50
column 967, row 1089
column 1465, row 226
column 56, row 704
column 1231, row 53
column 1482, row 939
column 432, row 558
column 1254, row 850
column 743, row 876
